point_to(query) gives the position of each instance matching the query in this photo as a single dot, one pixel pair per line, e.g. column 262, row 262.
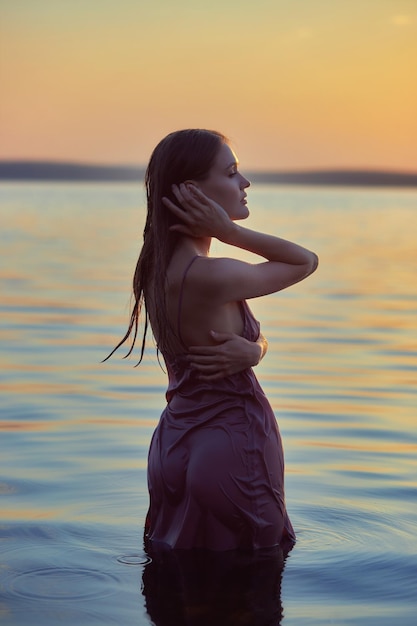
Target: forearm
column 232, row 353
column 268, row 246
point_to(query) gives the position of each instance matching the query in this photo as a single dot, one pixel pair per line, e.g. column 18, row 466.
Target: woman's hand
column 232, row 354
column 200, row 216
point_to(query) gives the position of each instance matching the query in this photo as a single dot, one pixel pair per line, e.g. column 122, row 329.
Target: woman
column 215, row 467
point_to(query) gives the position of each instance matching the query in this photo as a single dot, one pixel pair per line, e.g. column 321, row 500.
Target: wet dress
column 216, row 465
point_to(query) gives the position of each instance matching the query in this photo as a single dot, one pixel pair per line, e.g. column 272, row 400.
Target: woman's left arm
column 231, row 354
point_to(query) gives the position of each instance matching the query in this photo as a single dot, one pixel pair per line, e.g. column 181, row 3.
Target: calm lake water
column 341, row 374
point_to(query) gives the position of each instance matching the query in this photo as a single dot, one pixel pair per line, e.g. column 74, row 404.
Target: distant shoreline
column 79, row 172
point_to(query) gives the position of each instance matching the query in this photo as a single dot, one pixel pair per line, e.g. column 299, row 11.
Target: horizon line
column 266, row 170
column 61, row 170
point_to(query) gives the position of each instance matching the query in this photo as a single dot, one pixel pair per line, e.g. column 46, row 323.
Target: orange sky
column 300, row 83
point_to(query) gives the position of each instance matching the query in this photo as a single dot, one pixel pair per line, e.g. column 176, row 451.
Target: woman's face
column 226, row 185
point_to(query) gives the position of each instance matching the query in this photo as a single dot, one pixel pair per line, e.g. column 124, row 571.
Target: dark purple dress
column 216, row 464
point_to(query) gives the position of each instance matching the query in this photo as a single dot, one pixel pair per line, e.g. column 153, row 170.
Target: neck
column 200, row 245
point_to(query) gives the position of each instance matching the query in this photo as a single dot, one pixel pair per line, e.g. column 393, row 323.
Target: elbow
column 312, row 264
column 315, row 262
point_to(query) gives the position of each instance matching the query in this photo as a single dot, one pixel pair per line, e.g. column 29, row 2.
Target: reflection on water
column 340, row 374
column 205, row 588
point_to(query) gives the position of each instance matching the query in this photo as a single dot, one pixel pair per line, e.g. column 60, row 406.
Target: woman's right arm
column 230, row 279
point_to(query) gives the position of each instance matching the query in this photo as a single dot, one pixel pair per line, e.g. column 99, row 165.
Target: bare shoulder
column 225, row 279
column 213, row 272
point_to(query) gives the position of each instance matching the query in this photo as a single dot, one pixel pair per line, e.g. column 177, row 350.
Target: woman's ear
column 191, row 182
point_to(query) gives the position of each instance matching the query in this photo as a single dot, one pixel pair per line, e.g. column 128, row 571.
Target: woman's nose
column 244, row 182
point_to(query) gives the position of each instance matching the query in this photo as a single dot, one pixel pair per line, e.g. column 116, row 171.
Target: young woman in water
column 215, row 467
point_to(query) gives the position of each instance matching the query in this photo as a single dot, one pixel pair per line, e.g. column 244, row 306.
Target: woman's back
column 192, row 310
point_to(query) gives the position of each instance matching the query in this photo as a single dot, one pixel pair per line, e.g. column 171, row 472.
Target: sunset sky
column 293, row 83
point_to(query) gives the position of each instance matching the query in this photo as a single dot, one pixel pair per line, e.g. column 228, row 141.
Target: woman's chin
column 243, row 215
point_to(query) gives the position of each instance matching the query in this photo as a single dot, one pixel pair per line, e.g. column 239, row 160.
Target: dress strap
column 180, row 299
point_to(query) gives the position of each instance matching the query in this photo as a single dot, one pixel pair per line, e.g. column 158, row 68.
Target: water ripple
column 134, row 559
column 61, row 583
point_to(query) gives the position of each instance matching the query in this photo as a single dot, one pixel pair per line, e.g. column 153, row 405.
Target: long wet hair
column 180, row 156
